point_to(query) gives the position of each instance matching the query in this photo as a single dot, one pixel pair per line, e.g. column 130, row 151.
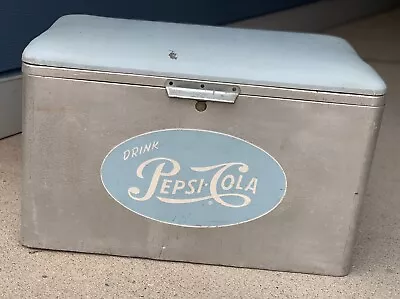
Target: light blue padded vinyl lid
column 221, row 54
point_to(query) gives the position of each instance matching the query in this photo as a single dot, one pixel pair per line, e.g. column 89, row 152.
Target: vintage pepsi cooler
column 211, row 145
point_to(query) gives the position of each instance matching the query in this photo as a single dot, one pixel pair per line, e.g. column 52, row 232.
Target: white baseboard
column 318, row 16
column 10, row 105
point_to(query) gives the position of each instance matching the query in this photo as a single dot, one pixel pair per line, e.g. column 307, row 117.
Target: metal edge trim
column 250, row 90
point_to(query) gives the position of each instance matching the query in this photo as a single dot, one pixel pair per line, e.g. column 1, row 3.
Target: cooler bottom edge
column 334, row 271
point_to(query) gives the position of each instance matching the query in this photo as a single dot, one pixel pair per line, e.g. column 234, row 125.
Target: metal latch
column 202, row 91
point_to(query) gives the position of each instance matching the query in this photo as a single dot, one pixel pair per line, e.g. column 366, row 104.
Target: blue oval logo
column 193, row 178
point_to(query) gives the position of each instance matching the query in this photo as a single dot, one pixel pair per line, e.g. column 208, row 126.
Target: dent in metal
column 172, row 54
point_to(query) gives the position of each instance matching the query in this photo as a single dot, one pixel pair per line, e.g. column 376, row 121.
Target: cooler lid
column 222, row 54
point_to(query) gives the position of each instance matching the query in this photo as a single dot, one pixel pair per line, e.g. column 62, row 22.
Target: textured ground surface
column 26, row 273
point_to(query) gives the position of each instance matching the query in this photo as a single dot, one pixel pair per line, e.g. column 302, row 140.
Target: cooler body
column 195, row 170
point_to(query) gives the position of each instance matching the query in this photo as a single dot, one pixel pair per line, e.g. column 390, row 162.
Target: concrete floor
column 27, row 273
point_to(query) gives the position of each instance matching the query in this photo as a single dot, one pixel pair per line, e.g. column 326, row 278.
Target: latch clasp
column 202, row 91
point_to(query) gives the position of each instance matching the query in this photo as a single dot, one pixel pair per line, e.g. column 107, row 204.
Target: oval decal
column 193, row 178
